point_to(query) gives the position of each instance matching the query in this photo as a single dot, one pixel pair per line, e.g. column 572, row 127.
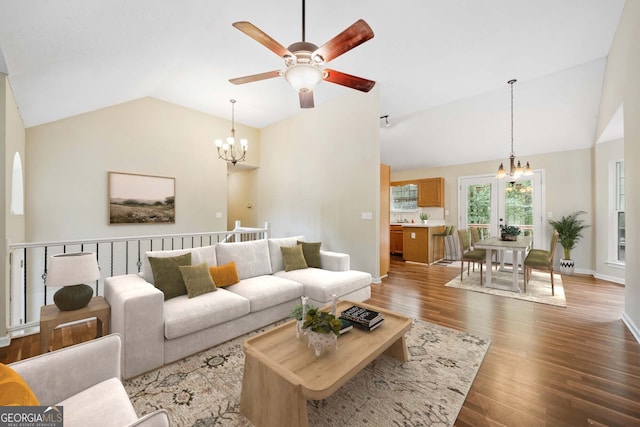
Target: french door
column 487, row 202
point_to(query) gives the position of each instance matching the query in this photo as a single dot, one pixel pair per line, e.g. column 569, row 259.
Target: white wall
column 68, row 161
column 319, row 171
column 12, row 227
column 622, row 87
column 569, row 188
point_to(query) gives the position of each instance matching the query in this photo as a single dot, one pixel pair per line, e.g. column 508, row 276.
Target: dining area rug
column 428, row 390
column 538, row 288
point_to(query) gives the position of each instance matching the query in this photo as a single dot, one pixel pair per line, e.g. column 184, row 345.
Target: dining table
column 518, row 247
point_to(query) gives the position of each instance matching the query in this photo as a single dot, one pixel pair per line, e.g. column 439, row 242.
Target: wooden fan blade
column 255, row 77
column 306, row 99
column 358, row 33
column 261, row 37
column 348, row 80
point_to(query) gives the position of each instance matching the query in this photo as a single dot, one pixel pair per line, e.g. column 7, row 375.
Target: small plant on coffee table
column 321, row 322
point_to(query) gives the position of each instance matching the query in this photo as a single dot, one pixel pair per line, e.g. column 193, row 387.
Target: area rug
column 428, row 390
column 538, row 288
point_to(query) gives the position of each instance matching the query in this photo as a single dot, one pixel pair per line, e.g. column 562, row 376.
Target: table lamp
column 71, row 271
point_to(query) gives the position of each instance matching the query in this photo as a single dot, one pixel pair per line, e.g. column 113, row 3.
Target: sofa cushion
column 106, row 401
column 266, row 291
column 321, row 284
column 14, row 391
column 293, row 258
column 197, row 279
column 251, row 258
column 224, row 275
column 277, row 263
column 183, row 316
column 167, row 276
column 198, row 255
column 311, row 251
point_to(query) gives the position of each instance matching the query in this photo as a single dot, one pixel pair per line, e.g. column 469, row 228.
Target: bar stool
column 448, row 230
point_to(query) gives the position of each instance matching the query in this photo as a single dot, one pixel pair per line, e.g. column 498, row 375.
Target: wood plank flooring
column 547, row 366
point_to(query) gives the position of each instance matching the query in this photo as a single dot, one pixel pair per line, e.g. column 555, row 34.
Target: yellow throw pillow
column 13, row 390
column 224, row 275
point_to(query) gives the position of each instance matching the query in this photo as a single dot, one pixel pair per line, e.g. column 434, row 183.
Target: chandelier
column 227, row 150
column 515, row 169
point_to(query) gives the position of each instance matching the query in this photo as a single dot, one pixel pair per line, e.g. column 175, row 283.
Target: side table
column 51, row 317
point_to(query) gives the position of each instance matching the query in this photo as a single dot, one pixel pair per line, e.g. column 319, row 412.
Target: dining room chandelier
column 515, row 169
column 228, row 150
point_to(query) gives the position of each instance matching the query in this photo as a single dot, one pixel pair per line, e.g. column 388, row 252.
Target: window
column 619, row 213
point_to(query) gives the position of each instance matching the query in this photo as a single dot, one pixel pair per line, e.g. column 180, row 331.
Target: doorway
column 486, row 202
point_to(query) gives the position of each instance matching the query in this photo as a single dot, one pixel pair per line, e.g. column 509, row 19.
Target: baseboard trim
column 619, row 280
column 5, row 341
column 377, row 280
column 631, row 326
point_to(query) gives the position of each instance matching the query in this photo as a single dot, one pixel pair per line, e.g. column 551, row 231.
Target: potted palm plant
column 569, row 230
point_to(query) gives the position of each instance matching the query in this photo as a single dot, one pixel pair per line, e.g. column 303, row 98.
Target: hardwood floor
column 547, row 366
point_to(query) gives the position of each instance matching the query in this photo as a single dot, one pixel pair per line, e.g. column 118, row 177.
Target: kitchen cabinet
column 418, row 243
column 431, row 192
column 396, row 239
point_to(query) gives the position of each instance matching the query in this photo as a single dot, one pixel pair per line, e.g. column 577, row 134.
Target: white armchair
column 85, row 380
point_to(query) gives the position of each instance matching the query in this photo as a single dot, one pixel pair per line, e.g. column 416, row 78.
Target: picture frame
column 141, row 199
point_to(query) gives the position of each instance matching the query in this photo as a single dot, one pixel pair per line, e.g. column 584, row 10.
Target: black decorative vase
column 73, row 297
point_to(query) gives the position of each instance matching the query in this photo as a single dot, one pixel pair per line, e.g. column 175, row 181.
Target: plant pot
column 322, row 342
column 508, row 237
column 424, row 221
column 567, row 266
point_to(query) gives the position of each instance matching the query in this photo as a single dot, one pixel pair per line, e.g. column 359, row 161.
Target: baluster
column 111, row 261
column 24, row 287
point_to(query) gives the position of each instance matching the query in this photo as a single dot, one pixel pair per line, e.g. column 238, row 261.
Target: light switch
column 218, row 214
column 366, row 215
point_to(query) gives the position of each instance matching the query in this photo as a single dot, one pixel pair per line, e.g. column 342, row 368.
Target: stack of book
column 362, row 318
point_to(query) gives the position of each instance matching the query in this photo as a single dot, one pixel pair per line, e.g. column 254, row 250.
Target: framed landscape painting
column 141, row 199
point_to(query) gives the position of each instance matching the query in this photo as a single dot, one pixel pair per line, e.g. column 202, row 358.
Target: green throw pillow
column 197, row 279
column 167, row 276
column 293, row 257
column 311, row 251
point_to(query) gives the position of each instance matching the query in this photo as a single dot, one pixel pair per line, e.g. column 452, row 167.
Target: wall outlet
column 413, row 235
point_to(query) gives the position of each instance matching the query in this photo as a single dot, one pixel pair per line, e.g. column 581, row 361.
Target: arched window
column 17, row 187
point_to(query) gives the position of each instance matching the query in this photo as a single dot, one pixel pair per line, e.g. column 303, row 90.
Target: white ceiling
column 442, row 66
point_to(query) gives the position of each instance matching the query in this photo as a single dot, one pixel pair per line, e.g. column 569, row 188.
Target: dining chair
column 470, row 255
column 477, row 234
column 541, row 259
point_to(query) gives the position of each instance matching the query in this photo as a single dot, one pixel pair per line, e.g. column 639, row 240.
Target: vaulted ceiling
column 442, row 66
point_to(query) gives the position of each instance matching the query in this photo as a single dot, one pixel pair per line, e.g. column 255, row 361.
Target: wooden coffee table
column 281, row 373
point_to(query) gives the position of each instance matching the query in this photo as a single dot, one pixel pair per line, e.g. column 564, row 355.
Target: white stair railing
column 115, row 256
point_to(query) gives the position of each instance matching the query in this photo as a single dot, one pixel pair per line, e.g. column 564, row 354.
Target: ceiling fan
column 304, row 60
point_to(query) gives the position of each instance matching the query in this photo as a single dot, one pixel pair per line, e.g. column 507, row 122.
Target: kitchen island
column 419, row 245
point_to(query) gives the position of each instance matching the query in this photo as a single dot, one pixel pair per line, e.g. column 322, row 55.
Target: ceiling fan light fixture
column 303, row 77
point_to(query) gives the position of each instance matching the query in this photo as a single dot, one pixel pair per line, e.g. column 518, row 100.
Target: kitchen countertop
column 408, row 224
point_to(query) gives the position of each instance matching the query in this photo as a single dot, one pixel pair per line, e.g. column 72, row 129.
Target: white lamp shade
column 303, row 77
column 72, row 269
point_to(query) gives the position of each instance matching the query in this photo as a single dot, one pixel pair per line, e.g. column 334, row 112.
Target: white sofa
column 156, row 332
column 85, row 380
